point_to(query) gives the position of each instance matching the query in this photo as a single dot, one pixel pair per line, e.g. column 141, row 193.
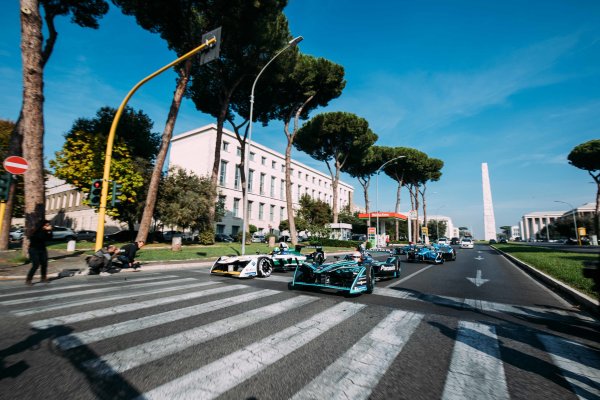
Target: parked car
column 493, row 241
column 169, row 235
column 284, row 238
column 258, row 238
column 17, row 234
column 503, row 241
column 466, row 243
column 222, row 237
column 89, row 236
column 121, row 236
column 63, row 233
column 454, row 241
column 443, row 240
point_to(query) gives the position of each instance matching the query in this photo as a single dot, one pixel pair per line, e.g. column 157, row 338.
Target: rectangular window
column 299, row 193
column 236, row 207
column 282, row 168
column 261, row 211
column 220, row 228
column 225, row 146
column 281, row 189
column 238, row 151
column 263, row 160
column 272, row 213
column 250, row 209
column 223, row 173
column 281, row 210
column 299, row 175
column 272, row 186
column 251, row 156
column 238, row 177
column 273, row 164
column 261, row 187
column 234, row 230
column 222, row 200
column 250, row 181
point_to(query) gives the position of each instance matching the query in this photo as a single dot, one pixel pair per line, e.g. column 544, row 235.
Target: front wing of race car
column 349, row 276
column 243, row 266
column 390, row 268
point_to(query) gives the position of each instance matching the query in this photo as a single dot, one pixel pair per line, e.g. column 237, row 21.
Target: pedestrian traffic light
column 116, row 192
column 5, row 180
column 95, row 192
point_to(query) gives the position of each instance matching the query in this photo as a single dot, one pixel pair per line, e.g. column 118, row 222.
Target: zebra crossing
column 202, row 317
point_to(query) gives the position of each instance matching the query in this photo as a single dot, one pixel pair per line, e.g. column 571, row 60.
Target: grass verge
column 564, row 266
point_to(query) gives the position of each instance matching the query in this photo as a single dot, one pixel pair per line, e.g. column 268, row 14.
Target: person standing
column 38, row 254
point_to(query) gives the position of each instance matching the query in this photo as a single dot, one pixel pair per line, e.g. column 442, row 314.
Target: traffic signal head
column 116, row 192
column 5, row 185
column 95, row 192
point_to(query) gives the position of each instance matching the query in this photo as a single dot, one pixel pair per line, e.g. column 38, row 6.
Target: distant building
column 515, row 232
column 534, row 224
column 194, row 151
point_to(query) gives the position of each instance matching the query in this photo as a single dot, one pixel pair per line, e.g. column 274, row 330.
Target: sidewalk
column 62, row 260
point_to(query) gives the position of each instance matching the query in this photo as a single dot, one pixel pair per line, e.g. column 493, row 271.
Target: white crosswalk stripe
column 105, row 332
column 476, row 370
column 83, row 316
column 217, row 377
column 580, row 365
column 92, row 300
column 92, row 291
column 355, row 374
column 138, row 355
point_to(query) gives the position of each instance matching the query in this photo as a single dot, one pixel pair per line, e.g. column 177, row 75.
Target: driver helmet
column 356, row 256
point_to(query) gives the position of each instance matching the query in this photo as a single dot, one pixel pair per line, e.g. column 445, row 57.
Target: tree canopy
column 586, row 156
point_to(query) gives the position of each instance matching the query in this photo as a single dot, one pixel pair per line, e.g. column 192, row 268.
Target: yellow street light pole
column 208, row 43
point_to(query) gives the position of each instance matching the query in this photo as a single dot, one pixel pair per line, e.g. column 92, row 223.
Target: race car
column 247, row 266
column 425, row 254
column 285, row 259
column 448, row 252
column 384, row 263
column 348, row 275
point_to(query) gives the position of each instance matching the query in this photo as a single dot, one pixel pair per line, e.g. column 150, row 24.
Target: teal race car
column 284, row 259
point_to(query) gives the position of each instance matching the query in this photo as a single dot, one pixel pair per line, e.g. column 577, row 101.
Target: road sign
column 15, row 165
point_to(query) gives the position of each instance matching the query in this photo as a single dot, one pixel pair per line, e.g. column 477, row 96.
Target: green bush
column 206, row 237
column 334, row 242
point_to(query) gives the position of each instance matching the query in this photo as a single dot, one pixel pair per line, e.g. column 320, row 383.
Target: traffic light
column 95, row 192
column 116, row 192
column 5, row 179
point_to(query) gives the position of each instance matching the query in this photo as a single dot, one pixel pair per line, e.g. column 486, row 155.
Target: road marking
column 105, row 332
column 357, row 372
column 580, row 365
column 93, row 291
column 103, row 312
column 476, row 370
column 478, row 280
column 216, row 378
column 45, row 289
column 132, row 357
column 279, row 278
column 479, row 258
column 414, row 273
column 69, row 304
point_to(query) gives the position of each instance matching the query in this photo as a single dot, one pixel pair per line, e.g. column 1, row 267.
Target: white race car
column 248, row 266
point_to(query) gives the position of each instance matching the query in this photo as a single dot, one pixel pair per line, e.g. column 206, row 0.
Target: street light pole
column 291, row 43
column 574, row 220
column 377, row 195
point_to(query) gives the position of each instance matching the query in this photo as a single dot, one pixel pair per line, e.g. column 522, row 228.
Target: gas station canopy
column 383, row 215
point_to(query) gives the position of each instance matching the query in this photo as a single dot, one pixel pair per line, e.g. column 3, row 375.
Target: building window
column 238, row 151
column 273, row 164
column 281, row 210
column 234, row 230
column 223, row 174
column 272, row 213
column 238, row 177
column 261, row 211
column 236, row 207
column 261, row 188
column 299, row 174
column 250, row 180
column 251, row 156
column 319, row 182
column 220, row 228
column 263, row 160
column 313, row 180
column 282, row 168
column 272, row 186
column 250, row 209
column 281, row 189
column 225, row 146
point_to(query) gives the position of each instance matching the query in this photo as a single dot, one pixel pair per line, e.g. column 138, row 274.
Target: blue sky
column 515, row 84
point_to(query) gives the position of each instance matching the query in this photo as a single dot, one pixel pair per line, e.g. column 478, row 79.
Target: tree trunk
column 162, row 152
column 32, row 122
column 365, row 185
column 334, row 186
column 288, row 187
column 397, row 209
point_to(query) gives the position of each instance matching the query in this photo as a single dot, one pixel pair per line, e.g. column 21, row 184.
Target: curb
column 585, row 301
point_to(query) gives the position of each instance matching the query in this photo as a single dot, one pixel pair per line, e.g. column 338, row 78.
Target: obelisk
column 489, row 222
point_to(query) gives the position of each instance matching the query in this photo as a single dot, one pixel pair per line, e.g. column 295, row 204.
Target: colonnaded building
column 194, row 151
column 533, row 225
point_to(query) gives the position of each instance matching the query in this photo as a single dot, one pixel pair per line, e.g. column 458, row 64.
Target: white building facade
column 536, row 222
column 194, row 152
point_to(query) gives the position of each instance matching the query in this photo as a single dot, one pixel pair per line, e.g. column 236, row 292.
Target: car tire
column 264, row 267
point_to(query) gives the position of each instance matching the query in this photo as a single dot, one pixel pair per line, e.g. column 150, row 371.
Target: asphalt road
column 474, row 328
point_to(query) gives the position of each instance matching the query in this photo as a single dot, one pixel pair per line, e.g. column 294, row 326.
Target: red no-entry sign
column 15, row 165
